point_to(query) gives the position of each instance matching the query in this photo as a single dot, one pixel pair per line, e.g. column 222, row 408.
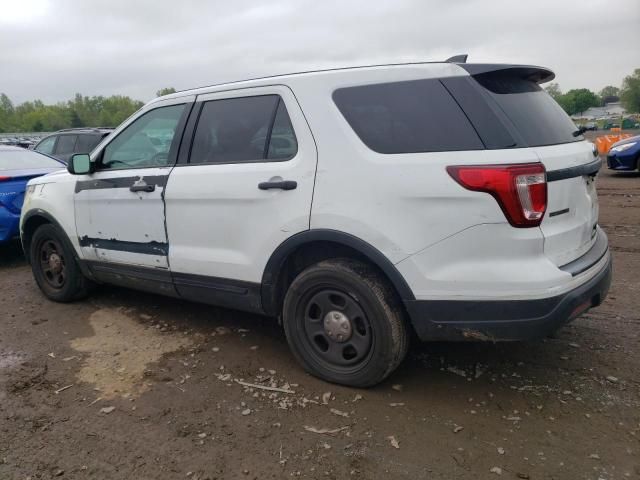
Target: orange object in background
column 605, row 141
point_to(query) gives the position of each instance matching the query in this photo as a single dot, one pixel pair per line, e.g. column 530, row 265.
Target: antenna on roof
column 457, row 59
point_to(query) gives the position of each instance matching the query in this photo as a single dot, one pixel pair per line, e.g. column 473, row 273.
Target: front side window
column 145, row 142
column 46, row 145
column 247, row 129
column 407, row 117
column 66, row 144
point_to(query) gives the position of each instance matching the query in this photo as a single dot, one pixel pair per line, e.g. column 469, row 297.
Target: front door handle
column 142, row 187
column 282, row 185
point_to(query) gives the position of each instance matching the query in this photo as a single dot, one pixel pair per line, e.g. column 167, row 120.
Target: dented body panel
column 117, row 225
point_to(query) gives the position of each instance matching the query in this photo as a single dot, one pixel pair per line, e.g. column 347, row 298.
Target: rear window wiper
column 579, row 131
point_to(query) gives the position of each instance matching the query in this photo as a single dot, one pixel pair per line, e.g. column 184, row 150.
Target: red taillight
column 519, row 189
column 2, row 179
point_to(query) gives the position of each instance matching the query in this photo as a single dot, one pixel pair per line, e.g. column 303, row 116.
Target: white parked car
column 452, row 200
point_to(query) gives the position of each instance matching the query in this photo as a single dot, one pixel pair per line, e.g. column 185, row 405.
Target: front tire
column 344, row 323
column 54, row 265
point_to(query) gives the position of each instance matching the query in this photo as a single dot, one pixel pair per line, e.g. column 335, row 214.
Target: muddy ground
column 128, row 385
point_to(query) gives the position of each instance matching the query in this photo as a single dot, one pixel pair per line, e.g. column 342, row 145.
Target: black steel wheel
column 52, row 262
column 54, row 265
column 344, row 323
column 337, row 330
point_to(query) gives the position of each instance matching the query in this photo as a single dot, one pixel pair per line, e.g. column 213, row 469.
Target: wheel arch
column 30, row 223
column 312, row 246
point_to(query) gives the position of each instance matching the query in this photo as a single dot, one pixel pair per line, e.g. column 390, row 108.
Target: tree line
column 578, row 100
column 82, row 111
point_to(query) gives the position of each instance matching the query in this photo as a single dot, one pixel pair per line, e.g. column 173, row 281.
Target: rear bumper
column 498, row 320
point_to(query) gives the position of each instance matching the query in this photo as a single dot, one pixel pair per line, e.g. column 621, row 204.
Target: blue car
column 625, row 155
column 17, row 167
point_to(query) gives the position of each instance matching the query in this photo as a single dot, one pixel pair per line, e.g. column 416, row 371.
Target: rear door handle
column 142, row 188
column 282, row 185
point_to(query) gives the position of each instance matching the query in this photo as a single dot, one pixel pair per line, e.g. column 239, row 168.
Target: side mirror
column 80, row 164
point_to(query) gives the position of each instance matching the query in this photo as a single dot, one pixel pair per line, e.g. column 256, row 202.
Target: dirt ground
column 127, row 385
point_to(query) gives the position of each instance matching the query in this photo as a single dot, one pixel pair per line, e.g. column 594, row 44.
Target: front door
column 119, row 209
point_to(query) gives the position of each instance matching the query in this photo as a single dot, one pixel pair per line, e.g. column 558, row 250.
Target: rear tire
column 54, row 265
column 344, row 323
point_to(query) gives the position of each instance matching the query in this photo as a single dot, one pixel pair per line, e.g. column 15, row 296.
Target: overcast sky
column 50, row 49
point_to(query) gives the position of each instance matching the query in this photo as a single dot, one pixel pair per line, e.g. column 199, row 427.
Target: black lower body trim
column 220, row 292
column 153, row 280
column 145, row 248
column 508, row 319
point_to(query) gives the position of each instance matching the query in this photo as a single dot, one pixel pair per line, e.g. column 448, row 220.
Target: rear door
column 243, row 187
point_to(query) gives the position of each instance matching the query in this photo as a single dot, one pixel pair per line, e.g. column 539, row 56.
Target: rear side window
column 246, row 129
column 282, row 144
column 86, row 143
column 407, row 117
column 484, row 114
column 66, row 144
column 537, row 118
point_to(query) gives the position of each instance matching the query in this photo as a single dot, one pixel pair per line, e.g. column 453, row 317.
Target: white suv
column 359, row 205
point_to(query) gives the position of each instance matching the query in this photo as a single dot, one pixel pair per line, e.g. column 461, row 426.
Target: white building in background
column 610, row 110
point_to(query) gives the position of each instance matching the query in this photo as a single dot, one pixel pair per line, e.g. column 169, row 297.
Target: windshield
column 25, row 159
column 536, row 116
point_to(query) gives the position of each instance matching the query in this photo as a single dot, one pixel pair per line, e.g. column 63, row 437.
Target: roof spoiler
column 527, row 72
column 458, row 58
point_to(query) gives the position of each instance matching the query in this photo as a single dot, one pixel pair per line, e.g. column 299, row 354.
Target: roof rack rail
column 458, row 58
column 76, row 129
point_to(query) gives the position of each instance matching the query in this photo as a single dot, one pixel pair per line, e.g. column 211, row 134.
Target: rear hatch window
column 537, row 118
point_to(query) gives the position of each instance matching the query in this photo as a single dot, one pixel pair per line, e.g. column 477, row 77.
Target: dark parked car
column 17, row 167
column 625, row 154
column 65, row 143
